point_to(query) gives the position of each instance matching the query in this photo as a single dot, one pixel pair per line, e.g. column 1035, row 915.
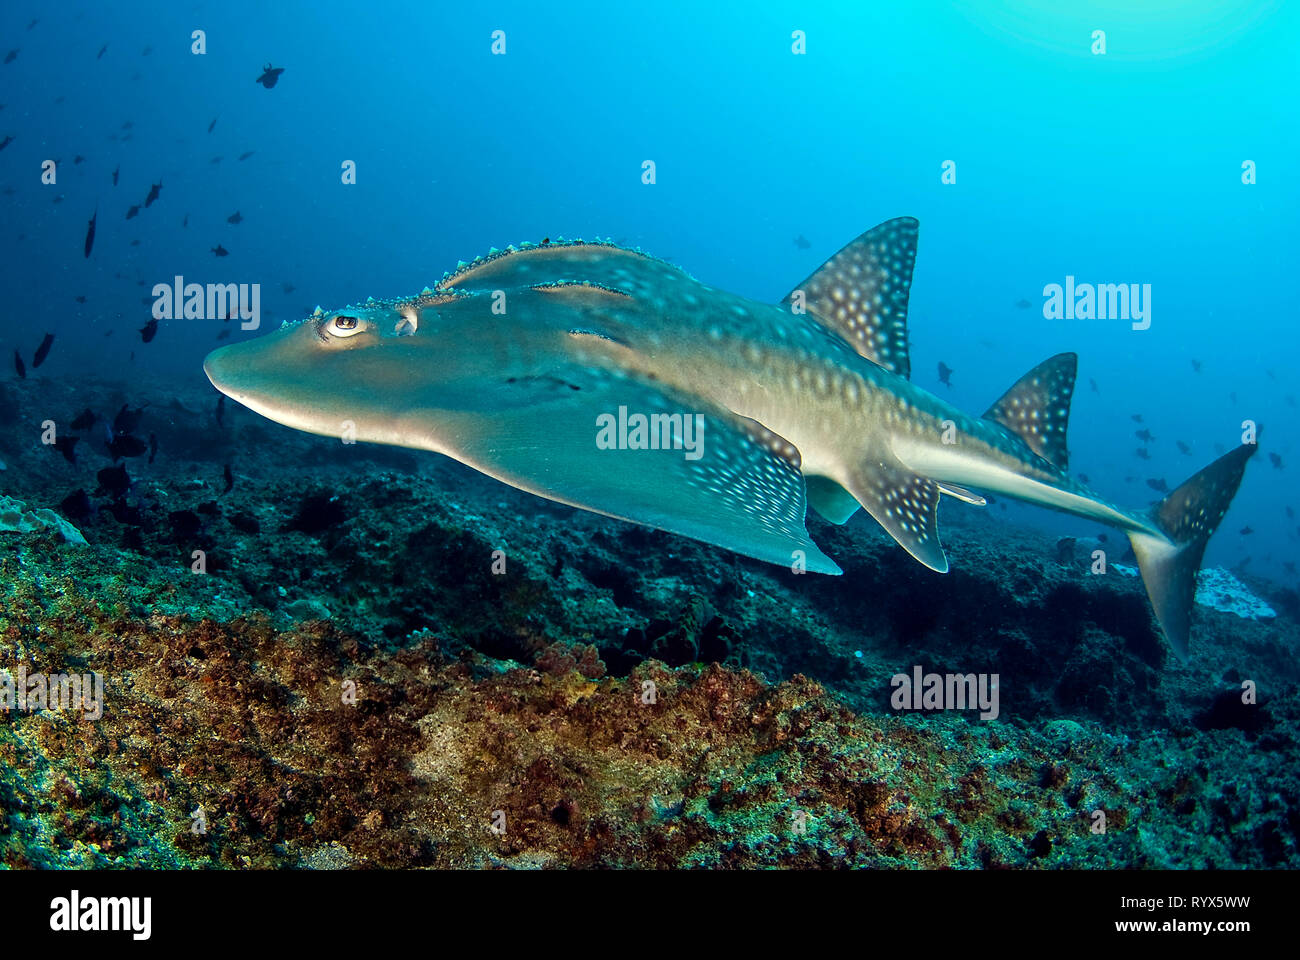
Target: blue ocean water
column 1117, row 167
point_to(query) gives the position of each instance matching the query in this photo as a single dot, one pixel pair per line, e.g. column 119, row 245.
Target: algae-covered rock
column 16, row 518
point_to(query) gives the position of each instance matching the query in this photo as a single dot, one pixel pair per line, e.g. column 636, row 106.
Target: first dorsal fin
column 1037, row 408
column 861, row 293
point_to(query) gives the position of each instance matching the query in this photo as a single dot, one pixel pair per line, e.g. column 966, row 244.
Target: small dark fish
column 230, row 479
column 43, row 350
column 135, row 243
column 146, row 51
column 1246, row 531
column 114, row 480
column 1290, row 513
column 229, row 315
column 287, row 287
column 116, row 171
column 66, row 445
column 185, row 524
column 1290, row 400
column 1196, row 365
column 1158, row 485
column 220, row 251
column 1274, row 459
column 11, row 56
column 221, row 410
column 6, row 141
column 102, row 50
column 127, row 419
column 153, row 194
column 1137, row 418
column 124, row 512
column 802, row 242
column 945, row 374
column 126, row 447
column 76, row 505
column 1144, row 435
column 269, row 78
column 1083, row 478
column 128, row 124
column 153, row 446
column 132, row 212
column 90, row 233
column 216, row 159
column 78, row 160
column 1093, row 383
column 20, row 366
column 1142, row 452
column 185, row 221
column 149, row 330
column 85, row 420
column 1233, row 396
column 246, row 154
column 1022, row 304
column 224, row 334
column 214, row 122
column 235, row 218
column 1183, row 448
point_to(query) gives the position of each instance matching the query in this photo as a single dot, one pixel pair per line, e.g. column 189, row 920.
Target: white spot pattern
column 1037, row 408
column 861, row 293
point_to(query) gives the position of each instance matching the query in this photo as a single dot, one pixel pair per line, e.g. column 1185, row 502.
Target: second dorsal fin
column 1037, row 407
column 861, row 293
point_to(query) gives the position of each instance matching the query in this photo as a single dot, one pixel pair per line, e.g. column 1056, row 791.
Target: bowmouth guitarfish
column 612, row 381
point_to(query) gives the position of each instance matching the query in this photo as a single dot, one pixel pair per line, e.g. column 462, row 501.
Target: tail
column 1187, row 518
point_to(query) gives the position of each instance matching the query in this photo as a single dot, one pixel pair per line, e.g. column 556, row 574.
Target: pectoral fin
column 722, row 479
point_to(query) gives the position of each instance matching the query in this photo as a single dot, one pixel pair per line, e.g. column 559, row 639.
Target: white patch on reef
column 1220, row 590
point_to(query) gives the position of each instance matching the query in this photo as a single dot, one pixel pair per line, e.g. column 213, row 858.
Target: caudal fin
column 1187, row 517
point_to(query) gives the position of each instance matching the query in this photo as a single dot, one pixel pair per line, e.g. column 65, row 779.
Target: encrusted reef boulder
column 16, row 518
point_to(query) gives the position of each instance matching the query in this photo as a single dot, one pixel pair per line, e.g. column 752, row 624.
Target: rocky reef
column 344, row 656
